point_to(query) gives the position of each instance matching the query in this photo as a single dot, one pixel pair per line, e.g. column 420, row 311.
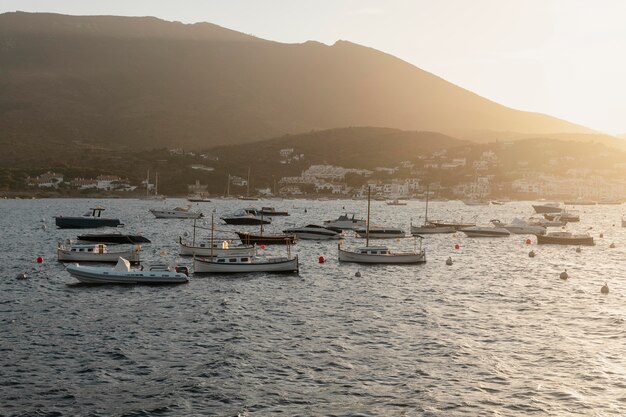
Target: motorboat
column 314, row 232
column 224, row 264
column 547, row 208
column 541, row 221
column 245, row 217
column 198, row 198
column 565, row 238
column 90, row 220
column 75, row 252
column 455, row 225
column 380, row 232
column 563, row 216
column 113, row 238
column 218, row 248
column 271, row 211
column 520, row 227
column 497, row 203
column 379, row 254
column 396, row 202
column 485, row 231
column 431, row 228
column 266, row 238
column 176, row 213
column 476, row 202
column 122, row 274
column 347, row 221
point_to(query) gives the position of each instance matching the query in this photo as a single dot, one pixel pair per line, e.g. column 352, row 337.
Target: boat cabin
column 99, row 248
column 233, row 259
column 374, row 250
column 94, row 212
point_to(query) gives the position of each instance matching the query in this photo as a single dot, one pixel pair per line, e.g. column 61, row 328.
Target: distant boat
column 476, row 202
column 547, row 208
column 396, row 202
column 90, row 220
column 314, row 232
column 521, row 227
column 198, row 198
column 430, row 227
column 455, row 225
column 99, row 252
column 271, row 211
column 380, row 232
column 176, row 213
column 123, row 274
column 485, row 231
column 563, row 216
column 565, row 238
column 347, row 221
column 156, row 195
column 113, row 238
column 245, row 217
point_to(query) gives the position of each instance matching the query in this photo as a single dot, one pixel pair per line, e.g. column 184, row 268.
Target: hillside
column 140, row 82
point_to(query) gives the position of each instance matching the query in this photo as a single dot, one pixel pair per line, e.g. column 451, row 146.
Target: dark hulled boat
column 266, row 239
column 113, row 238
column 565, row 238
column 90, row 220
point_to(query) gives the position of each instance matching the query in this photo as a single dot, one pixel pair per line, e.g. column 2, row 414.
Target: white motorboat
column 245, row 217
column 75, row 252
column 520, row 227
column 123, row 274
column 244, row 264
column 314, row 232
column 541, row 221
column 347, row 221
column 379, row 254
column 380, row 232
column 485, row 231
column 222, row 248
column 176, row 213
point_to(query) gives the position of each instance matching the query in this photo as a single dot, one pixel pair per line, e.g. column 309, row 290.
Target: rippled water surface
column 496, row 333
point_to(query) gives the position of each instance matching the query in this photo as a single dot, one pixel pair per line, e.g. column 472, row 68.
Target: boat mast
column 212, row 230
column 367, row 225
column 148, row 184
column 228, row 186
column 156, row 184
column 194, row 232
column 248, row 184
column 426, row 214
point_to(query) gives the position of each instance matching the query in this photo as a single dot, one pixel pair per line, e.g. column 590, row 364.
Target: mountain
column 141, row 82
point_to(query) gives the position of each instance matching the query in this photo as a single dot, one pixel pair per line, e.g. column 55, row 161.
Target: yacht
column 347, row 221
column 380, row 232
column 520, row 227
column 176, row 213
column 485, row 231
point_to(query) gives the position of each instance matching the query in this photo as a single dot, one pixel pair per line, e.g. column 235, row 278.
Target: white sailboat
column 379, row 254
column 156, row 195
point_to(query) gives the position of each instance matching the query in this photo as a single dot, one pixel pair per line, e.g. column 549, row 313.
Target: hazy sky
column 566, row 58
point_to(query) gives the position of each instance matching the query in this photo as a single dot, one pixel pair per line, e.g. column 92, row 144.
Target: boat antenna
column 426, row 214
column 248, row 184
column 367, row 225
column 194, row 232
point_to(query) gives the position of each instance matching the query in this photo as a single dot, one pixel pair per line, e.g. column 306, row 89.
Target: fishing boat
column 245, row 217
column 176, row 213
column 90, row 220
column 314, row 232
column 379, row 254
column 75, row 252
column 262, row 238
column 222, row 247
column 565, row 238
column 117, row 238
column 271, row 211
column 485, row 231
column 347, row 221
column 430, row 227
column 381, row 232
column 122, row 274
column 244, row 264
column 520, row 227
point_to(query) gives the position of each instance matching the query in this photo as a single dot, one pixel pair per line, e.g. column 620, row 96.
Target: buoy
column 528, row 241
column 262, row 246
column 457, row 246
column 612, row 245
column 564, row 275
column 321, row 259
column 224, row 302
column 39, row 260
column 601, row 235
column 162, row 253
column 578, row 250
column 604, row 289
column 305, row 210
column 22, row 275
column 358, row 274
column 531, row 254
column 449, row 260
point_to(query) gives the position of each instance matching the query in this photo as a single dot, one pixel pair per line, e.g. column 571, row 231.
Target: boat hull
column 110, row 257
column 94, row 275
column 539, row 209
column 398, row 258
column 206, row 265
column 486, row 232
column 205, row 250
column 114, row 238
column 374, row 234
column 167, row 214
column 85, row 222
column 315, row 236
column 431, row 230
column 577, row 241
column 245, row 221
column 253, row 239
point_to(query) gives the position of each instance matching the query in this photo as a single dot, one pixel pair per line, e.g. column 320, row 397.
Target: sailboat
column 428, row 227
column 210, row 247
column 156, row 195
column 380, row 254
column 247, row 197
